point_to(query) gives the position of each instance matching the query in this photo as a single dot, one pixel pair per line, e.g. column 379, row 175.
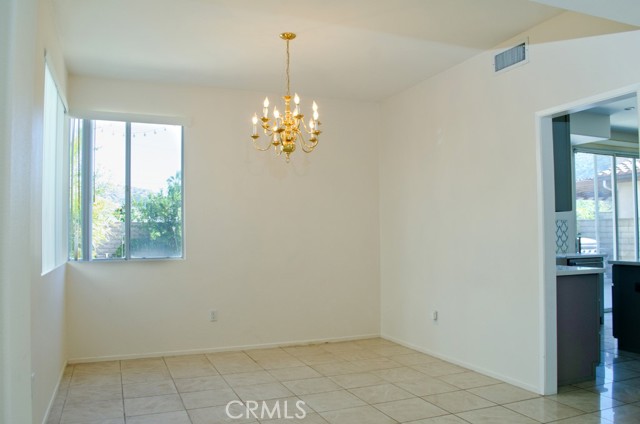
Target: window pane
column 626, row 209
column 75, row 189
column 603, row 207
column 594, row 209
column 594, row 202
column 637, row 204
column 585, row 204
column 53, row 147
column 156, row 191
column 109, row 190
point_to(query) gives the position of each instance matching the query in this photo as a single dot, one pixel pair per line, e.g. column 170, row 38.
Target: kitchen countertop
column 580, row 255
column 632, row 263
column 562, row 270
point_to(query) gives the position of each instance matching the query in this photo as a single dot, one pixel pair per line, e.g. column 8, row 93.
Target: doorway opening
column 603, row 211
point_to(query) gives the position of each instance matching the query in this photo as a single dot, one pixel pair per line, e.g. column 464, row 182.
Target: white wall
column 48, row 338
column 33, row 339
column 48, row 327
column 284, row 252
column 459, row 208
column 16, row 55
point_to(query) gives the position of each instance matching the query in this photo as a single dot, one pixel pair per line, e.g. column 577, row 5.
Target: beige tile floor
column 361, row 382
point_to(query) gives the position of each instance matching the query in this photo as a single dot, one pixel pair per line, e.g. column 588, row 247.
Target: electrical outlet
column 434, row 315
column 213, row 315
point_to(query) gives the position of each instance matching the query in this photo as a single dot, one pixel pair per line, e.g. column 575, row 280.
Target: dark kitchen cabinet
column 562, row 163
column 626, row 306
column 578, row 320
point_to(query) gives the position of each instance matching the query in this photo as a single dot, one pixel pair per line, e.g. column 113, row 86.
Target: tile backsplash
column 562, row 236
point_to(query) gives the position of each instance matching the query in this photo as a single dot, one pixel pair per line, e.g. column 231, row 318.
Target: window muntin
column 76, row 163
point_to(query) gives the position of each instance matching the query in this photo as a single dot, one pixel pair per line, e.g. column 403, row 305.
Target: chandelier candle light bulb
column 254, row 120
column 289, row 129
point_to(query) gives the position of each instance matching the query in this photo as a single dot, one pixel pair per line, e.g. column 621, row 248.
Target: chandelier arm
column 308, row 130
column 313, row 144
column 303, row 142
column 310, row 145
column 307, row 148
column 257, row 146
column 268, row 131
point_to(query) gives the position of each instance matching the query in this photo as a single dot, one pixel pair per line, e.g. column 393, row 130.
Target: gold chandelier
column 289, row 128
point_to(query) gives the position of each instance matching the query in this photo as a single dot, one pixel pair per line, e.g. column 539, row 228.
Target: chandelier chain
column 288, row 82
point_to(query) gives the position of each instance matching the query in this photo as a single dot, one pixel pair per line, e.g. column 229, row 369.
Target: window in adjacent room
column 606, row 187
column 126, row 186
column 606, row 196
column 53, row 166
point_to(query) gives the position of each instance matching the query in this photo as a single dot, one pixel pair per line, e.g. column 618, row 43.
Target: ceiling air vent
column 517, row 55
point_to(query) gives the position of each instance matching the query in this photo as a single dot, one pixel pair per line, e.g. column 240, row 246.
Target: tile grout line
column 173, row 381
column 124, row 411
column 66, row 395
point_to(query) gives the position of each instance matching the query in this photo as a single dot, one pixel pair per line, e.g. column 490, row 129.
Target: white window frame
column 87, row 175
column 54, row 164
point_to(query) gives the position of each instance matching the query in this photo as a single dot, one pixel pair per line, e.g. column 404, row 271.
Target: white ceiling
column 622, row 114
column 625, row 11
column 358, row 49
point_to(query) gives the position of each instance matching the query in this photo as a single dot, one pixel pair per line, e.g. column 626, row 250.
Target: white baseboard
column 464, row 364
column 55, row 393
column 218, row 349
